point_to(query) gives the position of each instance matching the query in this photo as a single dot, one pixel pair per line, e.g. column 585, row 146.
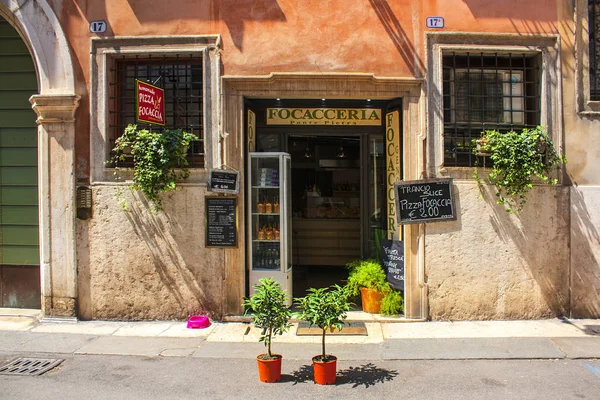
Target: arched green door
column 19, row 233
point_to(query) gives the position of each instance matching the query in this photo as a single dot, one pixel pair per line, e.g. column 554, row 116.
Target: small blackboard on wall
column 424, row 201
column 224, row 181
column 392, row 253
column 221, row 222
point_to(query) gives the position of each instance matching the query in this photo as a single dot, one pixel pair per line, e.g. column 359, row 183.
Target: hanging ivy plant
column 159, row 159
column 518, row 158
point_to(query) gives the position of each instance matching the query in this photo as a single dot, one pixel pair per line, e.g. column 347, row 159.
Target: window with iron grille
column 485, row 91
column 594, row 40
column 181, row 79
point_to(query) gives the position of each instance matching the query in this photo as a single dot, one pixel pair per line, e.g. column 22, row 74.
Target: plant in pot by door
column 368, row 279
column 269, row 313
column 327, row 309
column 392, row 303
column 517, row 157
column 159, row 159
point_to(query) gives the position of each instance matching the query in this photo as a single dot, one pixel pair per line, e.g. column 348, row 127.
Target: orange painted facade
column 345, row 50
column 384, row 38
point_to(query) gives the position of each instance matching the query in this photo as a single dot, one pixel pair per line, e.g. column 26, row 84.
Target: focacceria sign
column 324, row 116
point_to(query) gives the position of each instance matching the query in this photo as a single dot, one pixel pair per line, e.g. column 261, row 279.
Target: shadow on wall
column 585, row 268
column 511, row 8
column 234, row 13
column 398, row 35
column 84, row 292
column 181, row 271
column 540, row 232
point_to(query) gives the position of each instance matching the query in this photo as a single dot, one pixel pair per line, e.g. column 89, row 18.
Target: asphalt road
column 130, row 377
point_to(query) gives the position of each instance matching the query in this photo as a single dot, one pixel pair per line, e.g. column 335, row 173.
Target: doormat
column 350, row 329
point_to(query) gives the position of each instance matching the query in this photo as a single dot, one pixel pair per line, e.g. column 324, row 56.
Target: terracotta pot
column 324, row 371
column 371, row 300
column 269, row 370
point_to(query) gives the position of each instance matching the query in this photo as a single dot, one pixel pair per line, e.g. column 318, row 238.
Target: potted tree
column 367, row 278
column 269, row 313
column 325, row 308
column 518, row 158
column 159, row 159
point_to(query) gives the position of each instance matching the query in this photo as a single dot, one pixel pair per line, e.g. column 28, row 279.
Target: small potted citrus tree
column 326, row 308
column 269, row 313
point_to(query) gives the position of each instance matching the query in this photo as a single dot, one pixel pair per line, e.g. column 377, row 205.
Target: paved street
column 132, row 377
column 545, row 359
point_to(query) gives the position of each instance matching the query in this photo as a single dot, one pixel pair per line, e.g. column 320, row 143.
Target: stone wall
column 489, row 264
column 585, row 251
column 135, row 264
column 581, row 126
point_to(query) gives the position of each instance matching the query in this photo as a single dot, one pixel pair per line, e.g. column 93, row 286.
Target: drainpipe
column 422, row 162
column 221, row 154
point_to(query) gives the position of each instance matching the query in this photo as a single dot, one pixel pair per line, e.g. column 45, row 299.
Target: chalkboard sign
column 392, row 252
column 221, row 222
column 224, row 181
column 430, row 200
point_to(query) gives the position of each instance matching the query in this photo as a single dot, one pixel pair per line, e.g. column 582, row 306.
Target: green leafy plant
column 269, row 312
column 366, row 273
column 518, row 158
column 392, row 303
column 326, row 308
column 159, row 159
column 371, row 275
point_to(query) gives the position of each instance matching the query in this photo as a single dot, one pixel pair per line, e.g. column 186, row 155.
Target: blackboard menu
column 224, row 181
column 221, row 222
column 392, row 252
column 429, row 200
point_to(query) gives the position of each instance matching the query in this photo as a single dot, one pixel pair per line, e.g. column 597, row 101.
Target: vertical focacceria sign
column 150, row 102
column 392, row 168
column 251, row 131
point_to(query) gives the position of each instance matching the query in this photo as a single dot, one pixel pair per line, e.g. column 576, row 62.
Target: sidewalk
column 22, row 332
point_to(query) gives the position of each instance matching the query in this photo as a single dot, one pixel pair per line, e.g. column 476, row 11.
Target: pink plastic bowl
column 198, row 322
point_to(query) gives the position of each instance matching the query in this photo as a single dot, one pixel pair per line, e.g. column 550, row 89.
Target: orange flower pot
column 324, row 372
column 371, row 300
column 269, row 370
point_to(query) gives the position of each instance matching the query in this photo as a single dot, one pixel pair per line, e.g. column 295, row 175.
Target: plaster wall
column 582, row 124
column 581, row 116
column 585, row 274
column 135, row 264
column 489, row 264
column 314, row 36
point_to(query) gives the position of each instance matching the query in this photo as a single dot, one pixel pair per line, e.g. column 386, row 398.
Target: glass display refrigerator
column 270, row 219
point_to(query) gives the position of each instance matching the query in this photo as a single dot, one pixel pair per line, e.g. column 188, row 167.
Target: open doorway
column 326, row 208
column 337, row 183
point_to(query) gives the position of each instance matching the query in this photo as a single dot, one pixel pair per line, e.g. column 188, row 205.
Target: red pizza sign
column 150, row 103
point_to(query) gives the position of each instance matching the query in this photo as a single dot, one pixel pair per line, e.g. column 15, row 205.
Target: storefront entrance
column 338, row 189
